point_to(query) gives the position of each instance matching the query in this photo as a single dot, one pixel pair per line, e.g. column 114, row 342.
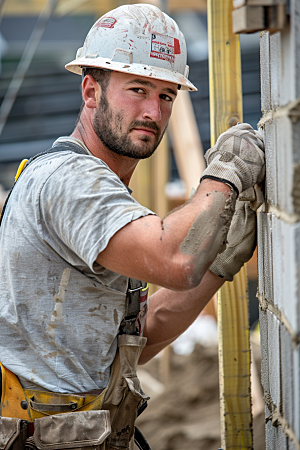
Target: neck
column 122, row 166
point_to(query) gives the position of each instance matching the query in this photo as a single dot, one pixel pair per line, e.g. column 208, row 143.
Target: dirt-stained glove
column 254, row 195
column 237, row 158
column 241, row 242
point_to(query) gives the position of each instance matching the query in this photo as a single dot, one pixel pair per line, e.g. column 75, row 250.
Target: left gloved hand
column 241, row 242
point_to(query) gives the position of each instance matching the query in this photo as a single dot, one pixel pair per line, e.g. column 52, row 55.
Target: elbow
column 147, row 354
column 180, row 273
column 143, row 359
column 190, row 275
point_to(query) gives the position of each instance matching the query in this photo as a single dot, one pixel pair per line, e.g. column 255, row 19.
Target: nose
column 152, row 110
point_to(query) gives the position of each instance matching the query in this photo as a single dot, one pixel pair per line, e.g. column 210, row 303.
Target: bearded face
column 118, row 136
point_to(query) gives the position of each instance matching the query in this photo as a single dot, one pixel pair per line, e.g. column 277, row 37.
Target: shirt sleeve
column 82, row 204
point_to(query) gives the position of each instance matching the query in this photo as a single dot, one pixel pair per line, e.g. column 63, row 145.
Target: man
column 72, row 236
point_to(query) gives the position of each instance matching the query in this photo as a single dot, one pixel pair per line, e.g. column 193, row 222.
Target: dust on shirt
column 60, row 311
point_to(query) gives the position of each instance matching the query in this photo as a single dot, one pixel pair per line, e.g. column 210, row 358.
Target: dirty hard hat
column 137, row 39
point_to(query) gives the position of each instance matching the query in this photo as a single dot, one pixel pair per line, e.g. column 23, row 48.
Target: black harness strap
column 132, row 308
column 140, row 440
column 62, row 147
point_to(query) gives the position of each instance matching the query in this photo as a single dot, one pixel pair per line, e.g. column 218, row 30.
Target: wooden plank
column 159, row 178
column 248, row 19
column 177, row 5
column 34, row 7
column 96, row 7
column 186, row 141
column 140, row 183
column 234, row 364
column 234, row 346
column 225, row 85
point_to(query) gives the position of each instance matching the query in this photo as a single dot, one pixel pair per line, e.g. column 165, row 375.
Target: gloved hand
column 237, row 157
column 241, row 242
column 254, row 195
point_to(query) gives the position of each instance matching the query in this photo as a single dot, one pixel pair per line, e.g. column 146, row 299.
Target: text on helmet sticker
column 164, row 47
column 106, row 22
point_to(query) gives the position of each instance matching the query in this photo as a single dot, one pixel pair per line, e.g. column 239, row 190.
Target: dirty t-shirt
column 59, row 310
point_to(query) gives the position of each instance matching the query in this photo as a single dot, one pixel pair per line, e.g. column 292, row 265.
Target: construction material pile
column 185, row 415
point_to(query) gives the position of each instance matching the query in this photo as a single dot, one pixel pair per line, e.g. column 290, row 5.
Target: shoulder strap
column 62, row 147
column 132, row 308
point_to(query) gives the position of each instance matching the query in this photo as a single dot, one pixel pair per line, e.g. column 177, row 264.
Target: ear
column 91, row 92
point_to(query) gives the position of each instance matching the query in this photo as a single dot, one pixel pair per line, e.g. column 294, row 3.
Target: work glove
column 237, row 158
column 241, row 242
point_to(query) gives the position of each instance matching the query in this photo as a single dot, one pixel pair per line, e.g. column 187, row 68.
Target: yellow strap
column 145, row 288
column 20, row 168
column 13, row 394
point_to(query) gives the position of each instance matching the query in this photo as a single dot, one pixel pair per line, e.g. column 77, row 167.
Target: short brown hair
column 101, row 76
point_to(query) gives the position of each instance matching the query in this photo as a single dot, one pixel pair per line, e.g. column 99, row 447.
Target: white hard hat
column 138, row 39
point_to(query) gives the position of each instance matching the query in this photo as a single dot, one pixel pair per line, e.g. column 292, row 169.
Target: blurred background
column 40, row 101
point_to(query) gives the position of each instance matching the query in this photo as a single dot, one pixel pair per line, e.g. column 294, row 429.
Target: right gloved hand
column 237, row 158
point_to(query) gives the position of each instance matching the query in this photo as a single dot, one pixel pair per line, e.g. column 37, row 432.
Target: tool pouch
column 124, row 394
column 13, row 433
column 86, row 430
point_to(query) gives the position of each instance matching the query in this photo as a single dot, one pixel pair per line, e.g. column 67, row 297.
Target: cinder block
column 296, row 137
column 268, row 259
column 277, row 262
column 288, row 65
column 261, row 220
column 296, row 25
column 265, row 278
column 296, row 379
column 290, row 43
column 274, row 358
column 265, row 72
column 296, row 189
column 271, row 162
column 287, row 375
column 281, row 439
column 263, row 326
column 275, row 66
column 297, row 256
column 291, row 445
column 290, row 273
column 265, row 257
column 284, row 137
column 296, row 168
column 270, row 436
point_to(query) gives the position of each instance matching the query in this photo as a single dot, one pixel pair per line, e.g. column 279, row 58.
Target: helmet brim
column 142, row 70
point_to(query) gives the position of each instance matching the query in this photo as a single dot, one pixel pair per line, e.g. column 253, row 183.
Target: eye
column 138, row 90
column 166, row 97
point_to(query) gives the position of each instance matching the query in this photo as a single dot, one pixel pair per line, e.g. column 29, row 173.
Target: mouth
column 145, row 131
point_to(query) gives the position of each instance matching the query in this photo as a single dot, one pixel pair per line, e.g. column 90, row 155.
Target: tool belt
column 64, row 421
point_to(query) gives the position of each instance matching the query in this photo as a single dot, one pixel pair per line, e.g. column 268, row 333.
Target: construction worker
column 73, row 317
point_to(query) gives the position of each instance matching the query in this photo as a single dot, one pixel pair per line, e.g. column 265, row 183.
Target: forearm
column 177, row 250
column 203, row 240
column 172, row 312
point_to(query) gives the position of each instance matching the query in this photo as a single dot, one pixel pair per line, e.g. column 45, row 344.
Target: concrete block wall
column 279, row 234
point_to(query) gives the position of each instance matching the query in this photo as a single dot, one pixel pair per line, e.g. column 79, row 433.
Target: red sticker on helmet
column 164, row 47
column 106, row 22
column 177, row 50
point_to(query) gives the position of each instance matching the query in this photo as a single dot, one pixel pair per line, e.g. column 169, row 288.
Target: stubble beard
column 108, row 127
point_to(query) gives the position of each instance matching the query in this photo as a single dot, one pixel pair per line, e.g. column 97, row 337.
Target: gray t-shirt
column 59, row 310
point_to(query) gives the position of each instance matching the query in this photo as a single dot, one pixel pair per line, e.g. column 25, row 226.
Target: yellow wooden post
column 234, row 346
